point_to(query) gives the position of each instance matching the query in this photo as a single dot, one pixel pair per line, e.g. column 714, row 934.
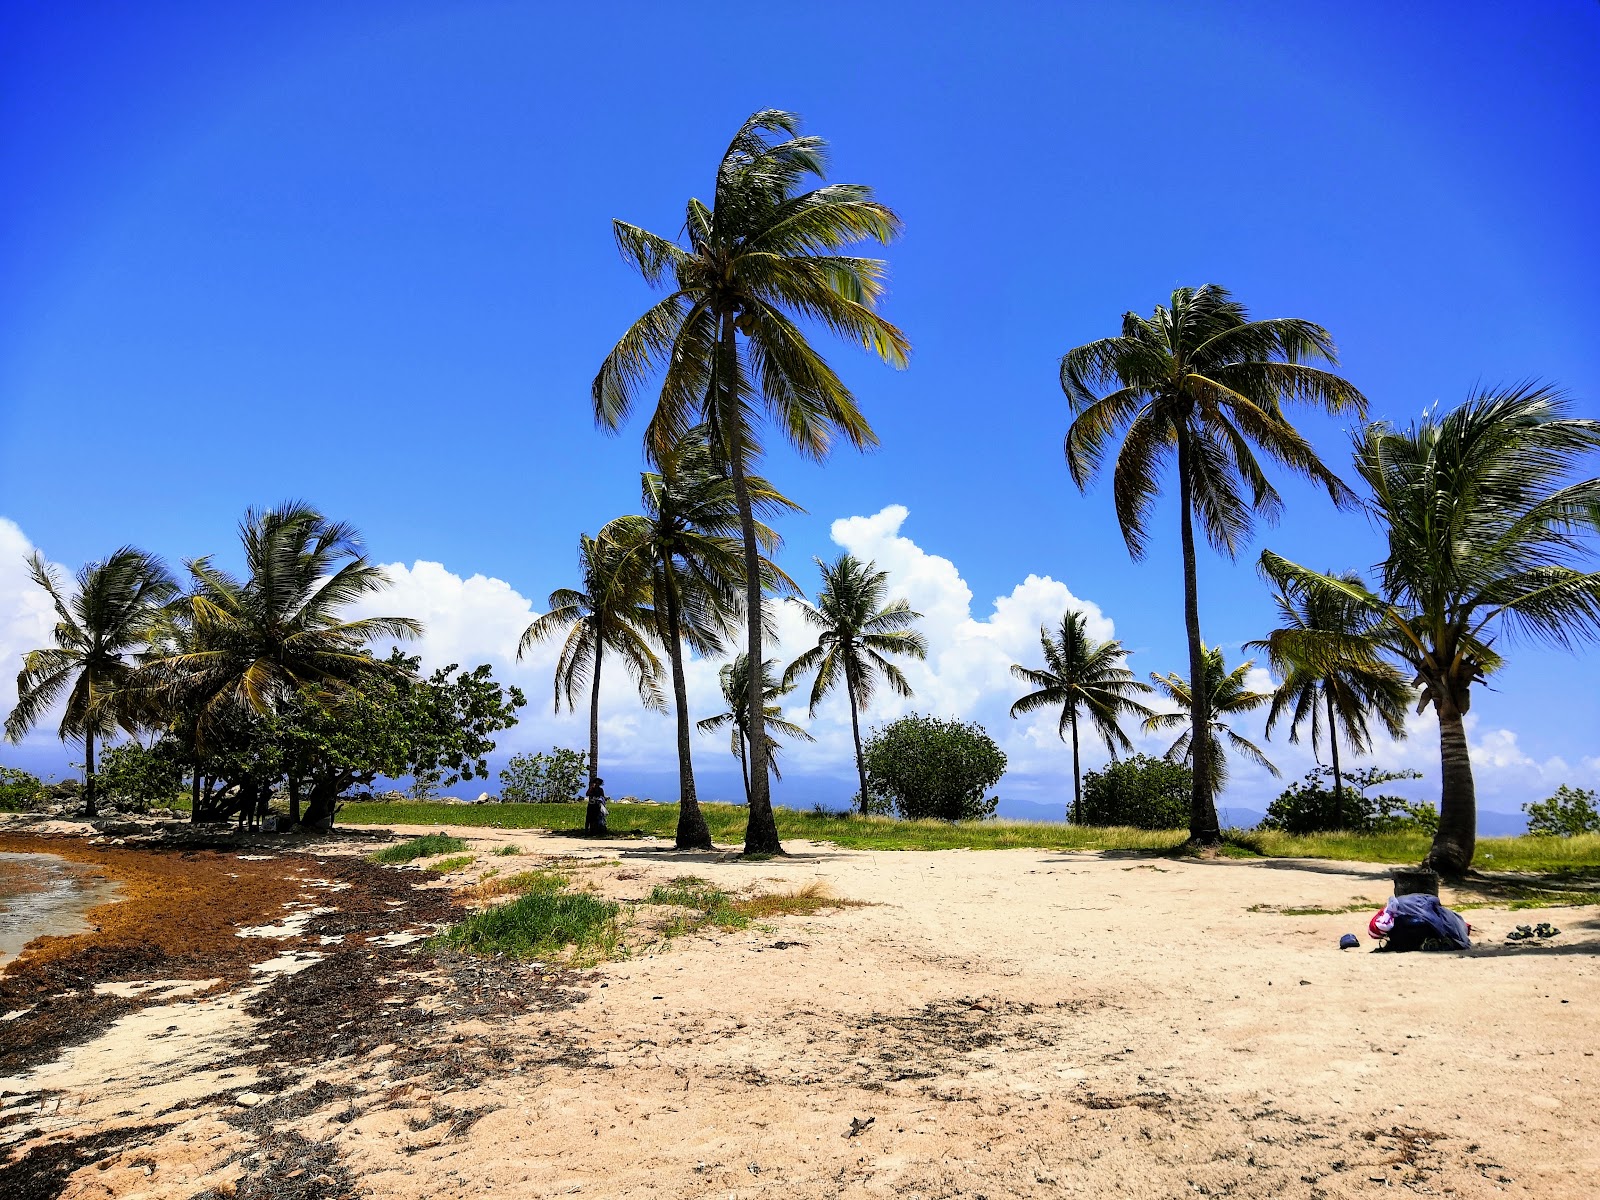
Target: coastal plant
column 758, row 265
column 18, row 789
column 688, row 538
column 90, row 669
column 1222, row 694
column 736, row 718
column 542, row 923
column 1568, row 813
column 1139, row 792
column 1328, row 656
column 934, row 768
column 609, row 610
column 556, row 777
column 1200, row 385
column 1486, row 528
column 1310, row 805
column 857, row 633
column 135, row 776
column 1082, row 675
column 426, row 846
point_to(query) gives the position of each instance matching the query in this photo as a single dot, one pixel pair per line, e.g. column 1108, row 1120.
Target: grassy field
column 1575, row 856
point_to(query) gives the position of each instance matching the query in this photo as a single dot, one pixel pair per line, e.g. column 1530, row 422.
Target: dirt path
column 1005, row 1023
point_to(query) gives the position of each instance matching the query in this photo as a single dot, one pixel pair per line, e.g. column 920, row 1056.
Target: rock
column 249, row 1099
column 486, row 798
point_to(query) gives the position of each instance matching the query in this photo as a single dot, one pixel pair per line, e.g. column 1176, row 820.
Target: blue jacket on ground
column 1419, row 917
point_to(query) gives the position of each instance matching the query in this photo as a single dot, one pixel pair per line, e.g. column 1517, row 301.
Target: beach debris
column 1349, row 942
column 1539, row 932
column 858, row 1126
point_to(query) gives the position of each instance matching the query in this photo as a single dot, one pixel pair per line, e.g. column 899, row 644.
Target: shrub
column 1308, row 805
column 18, row 789
column 1144, row 792
column 558, row 777
column 130, row 776
column 426, row 846
column 931, row 767
column 1569, row 812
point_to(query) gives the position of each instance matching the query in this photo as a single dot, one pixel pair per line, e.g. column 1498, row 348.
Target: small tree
column 132, row 776
column 934, row 768
column 1145, row 792
column 18, row 789
column 1569, row 812
column 554, row 778
column 1310, row 805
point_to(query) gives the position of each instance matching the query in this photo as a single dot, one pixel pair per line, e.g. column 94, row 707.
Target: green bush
column 1309, row 805
column 426, row 846
column 18, row 789
column 131, row 776
column 1142, row 792
column 558, row 777
column 934, row 768
column 1569, row 812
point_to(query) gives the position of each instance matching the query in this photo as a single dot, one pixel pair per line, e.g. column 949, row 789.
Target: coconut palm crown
column 1333, row 675
column 98, row 628
column 736, row 691
column 857, row 632
column 1201, row 386
column 1487, row 534
column 763, row 257
column 1082, row 675
column 1227, row 696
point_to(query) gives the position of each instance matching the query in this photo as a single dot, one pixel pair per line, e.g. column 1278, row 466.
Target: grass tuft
column 426, row 846
column 544, row 923
column 802, row 902
column 446, row 865
column 519, row 884
column 507, row 851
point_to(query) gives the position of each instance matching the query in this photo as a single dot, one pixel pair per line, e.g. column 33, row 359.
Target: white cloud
column 26, row 622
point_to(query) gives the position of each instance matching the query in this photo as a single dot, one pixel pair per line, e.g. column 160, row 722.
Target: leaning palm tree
column 1225, row 695
column 725, row 338
column 1333, row 676
column 1081, row 674
column 1200, row 383
column 687, row 539
column 856, row 631
column 736, row 691
column 609, row 611
column 109, row 618
column 1485, row 530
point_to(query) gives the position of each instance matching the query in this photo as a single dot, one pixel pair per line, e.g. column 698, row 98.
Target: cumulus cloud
column 26, row 621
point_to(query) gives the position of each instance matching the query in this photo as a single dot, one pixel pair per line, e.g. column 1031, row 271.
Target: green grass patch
column 446, row 865
column 519, row 884
column 419, row 847
column 508, row 851
column 708, row 904
column 1574, row 857
column 545, row 922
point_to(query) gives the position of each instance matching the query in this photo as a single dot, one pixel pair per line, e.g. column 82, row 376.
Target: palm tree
column 1224, row 695
column 1202, row 383
column 96, row 629
column 1081, row 673
column 248, row 646
column 857, row 629
column 686, row 536
column 762, row 254
column 736, row 691
column 1333, row 678
column 1483, row 531
column 609, row 611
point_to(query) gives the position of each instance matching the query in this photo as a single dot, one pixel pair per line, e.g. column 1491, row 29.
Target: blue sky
column 361, row 254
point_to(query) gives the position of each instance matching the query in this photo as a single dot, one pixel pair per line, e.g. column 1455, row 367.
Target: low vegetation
column 455, row 863
column 548, row 921
column 426, row 846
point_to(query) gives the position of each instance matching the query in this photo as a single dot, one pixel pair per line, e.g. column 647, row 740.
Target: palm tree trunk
column 855, row 729
column 1457, row 839
column 89, row 789
column 1076, row 816
column 194, row 796
column 1333, row 756
column 692, row 831
column 761, row 829
column 594, row 816
column 744, row 769
column 1203, row 826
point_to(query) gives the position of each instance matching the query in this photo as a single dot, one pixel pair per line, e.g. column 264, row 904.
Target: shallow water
column 45, row 894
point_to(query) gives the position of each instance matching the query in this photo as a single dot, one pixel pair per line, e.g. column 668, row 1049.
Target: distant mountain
column 1499, row 824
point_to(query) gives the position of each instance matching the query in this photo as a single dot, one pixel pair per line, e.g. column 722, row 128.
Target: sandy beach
column 984, row 1024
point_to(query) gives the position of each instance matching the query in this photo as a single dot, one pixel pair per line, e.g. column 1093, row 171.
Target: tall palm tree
column 736, row 691
column 1082, row 674
column 762, row 254
column 856, row 631
column 1485, row 527
column 97, row 628
column 1225, row 695
column 1200, row 383
column 1332, row 675
column 687, row 538
column 608, row 611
